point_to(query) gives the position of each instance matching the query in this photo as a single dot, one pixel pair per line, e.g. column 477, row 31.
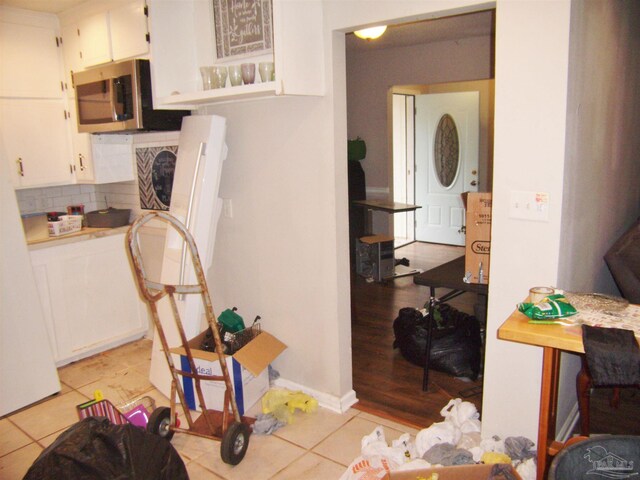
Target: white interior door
column 446, row 158
column 403, row 166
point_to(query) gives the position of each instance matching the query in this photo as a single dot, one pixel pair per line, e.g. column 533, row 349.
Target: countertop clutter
column 87, row 233
column 45, row 228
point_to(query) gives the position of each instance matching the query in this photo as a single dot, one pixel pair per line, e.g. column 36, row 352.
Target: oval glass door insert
column 446, row 151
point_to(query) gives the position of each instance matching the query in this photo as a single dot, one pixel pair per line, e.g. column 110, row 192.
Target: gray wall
column 371, row 74
column 602, row 164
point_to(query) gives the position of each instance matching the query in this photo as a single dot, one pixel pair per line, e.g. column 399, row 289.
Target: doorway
column 375, row 72
column 447, row 129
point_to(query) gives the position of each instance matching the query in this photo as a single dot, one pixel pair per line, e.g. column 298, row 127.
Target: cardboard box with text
column 478, row 236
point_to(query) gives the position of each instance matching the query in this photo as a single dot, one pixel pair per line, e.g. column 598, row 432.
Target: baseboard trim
column 330, row 402
column 566, row 431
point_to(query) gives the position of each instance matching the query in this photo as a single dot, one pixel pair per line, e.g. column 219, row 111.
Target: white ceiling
column 428, row 31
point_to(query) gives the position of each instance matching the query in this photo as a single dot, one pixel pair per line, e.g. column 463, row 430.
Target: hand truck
column 227, row 425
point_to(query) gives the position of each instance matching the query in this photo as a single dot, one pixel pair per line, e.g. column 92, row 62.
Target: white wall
column 532, row 45
column 284, row 254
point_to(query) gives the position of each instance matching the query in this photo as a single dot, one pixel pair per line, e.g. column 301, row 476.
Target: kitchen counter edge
column 87, row 233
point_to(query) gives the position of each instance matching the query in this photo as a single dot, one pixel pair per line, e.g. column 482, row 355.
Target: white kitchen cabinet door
column 30, row 59
column 35, row 138
column 95, row 40
column 128, row 25
column 71, row 54
column 90, row 299
column 80, row 148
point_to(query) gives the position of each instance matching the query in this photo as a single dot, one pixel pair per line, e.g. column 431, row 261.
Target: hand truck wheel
column 234, row 443
column 160, row 423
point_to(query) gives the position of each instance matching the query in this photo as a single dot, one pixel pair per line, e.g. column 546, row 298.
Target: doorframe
column 486, row 89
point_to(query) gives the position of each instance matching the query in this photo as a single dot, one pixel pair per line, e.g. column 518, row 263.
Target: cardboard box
column 461, row 472
column 478, row 236
column 247, row 368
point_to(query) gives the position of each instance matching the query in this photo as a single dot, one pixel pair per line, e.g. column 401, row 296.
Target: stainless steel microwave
column 116, row 97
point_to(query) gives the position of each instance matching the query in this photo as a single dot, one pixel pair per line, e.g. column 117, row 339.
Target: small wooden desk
column 390, row 208
column 553, row 339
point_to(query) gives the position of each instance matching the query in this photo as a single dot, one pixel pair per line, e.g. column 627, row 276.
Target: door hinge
column 146, row 10
column 148, row 37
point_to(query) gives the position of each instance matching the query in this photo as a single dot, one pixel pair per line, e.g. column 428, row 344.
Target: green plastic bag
column 552, row 307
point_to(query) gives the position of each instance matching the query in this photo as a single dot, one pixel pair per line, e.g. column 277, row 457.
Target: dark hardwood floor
column 389, row 385
column 385, row 382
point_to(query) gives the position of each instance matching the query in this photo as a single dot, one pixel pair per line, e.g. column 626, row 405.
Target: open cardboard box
column 478, row 236
column 247, row 368
column 461, row 472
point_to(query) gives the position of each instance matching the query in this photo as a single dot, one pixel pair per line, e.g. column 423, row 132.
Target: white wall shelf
column 240, row 92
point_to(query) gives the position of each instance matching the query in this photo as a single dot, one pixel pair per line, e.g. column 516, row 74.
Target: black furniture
column 357, row 216
column 623, row 260
column 449, row 276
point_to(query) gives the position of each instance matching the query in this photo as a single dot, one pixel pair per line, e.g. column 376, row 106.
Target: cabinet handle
column 20, row 167
column 81, row 157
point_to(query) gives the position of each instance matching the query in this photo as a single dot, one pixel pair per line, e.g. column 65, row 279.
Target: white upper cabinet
column 183, row 39
column 105, row 36
column 72, row 55
column 33, row 116
column 29, row 55
column 35, row 139
column 95, row 41
column 129, row 33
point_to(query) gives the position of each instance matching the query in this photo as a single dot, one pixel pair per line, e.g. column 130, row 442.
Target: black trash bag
column 96, row 449
column 455, row 340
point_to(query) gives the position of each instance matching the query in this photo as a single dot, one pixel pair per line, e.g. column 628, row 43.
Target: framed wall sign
column 243, row 27
column 156, row 166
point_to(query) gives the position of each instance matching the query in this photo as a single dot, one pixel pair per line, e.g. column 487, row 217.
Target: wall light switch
column 529, row 206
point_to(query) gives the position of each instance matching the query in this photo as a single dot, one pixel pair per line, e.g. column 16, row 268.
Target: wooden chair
column 623, row 260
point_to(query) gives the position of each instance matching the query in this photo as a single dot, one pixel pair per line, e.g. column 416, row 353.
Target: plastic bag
column 95, row 448
column 282, row 403
column 552, row 307
column 455, row 341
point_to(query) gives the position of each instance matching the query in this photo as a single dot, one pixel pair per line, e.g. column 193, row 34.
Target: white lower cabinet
column 89, row 296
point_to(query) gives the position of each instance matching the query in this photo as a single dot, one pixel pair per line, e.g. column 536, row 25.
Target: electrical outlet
column 529, row 206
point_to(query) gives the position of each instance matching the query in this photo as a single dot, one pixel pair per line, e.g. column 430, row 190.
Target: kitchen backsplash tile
column 93, row 197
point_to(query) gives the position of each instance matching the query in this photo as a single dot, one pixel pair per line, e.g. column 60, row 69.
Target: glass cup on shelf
column 235, row 75
column 248, row 73
column 266, row 71
column 219, row 76
column 207, row 77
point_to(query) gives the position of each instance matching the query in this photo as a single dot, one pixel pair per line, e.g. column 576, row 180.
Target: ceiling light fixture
column 371, row 33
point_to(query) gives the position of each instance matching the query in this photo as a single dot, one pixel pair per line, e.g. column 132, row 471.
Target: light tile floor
column 317, row 445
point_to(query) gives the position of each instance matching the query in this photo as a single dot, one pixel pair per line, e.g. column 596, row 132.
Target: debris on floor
column 282, row 403
column 455, row 441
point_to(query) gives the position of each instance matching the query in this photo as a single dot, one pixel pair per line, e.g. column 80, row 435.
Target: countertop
column 87, row 233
